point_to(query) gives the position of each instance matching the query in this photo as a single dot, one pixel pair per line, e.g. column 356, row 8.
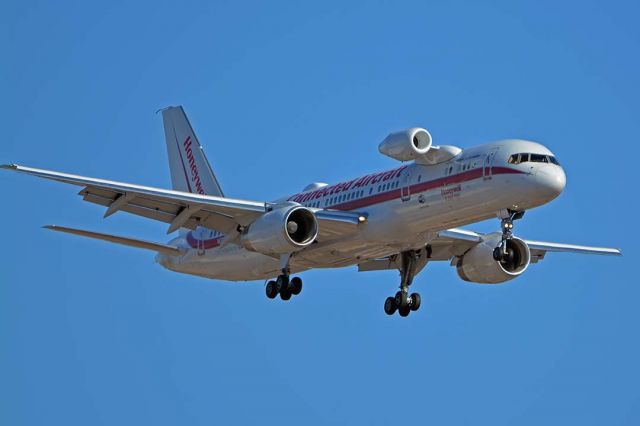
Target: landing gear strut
column 501, row 252
column 284, row 285
column 403, row 302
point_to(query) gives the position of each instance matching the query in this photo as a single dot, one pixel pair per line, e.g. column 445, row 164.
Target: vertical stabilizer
column 190, row 170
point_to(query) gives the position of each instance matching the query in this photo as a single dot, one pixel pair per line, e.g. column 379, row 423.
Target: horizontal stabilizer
column 160, row 248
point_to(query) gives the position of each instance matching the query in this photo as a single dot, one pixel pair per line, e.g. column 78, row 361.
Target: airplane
column 399, row 219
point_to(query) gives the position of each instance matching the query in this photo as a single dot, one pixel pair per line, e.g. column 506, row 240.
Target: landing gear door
column 405, row 188
column 487, row 168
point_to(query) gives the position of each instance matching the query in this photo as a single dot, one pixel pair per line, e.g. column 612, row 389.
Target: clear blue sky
column 283, row 94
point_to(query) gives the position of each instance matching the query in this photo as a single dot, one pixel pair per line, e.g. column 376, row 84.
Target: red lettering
column 195, row 175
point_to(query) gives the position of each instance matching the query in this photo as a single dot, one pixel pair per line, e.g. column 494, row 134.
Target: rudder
column 190, row 169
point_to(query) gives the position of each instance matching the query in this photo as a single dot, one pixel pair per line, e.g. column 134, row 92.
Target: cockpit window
column 534, row 158
column 539, row 158
column 519, row 158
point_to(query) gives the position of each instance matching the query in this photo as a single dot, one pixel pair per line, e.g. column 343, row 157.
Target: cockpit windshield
column 534, row 158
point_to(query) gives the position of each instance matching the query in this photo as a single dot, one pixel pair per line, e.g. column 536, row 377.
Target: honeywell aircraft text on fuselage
column 400, row 219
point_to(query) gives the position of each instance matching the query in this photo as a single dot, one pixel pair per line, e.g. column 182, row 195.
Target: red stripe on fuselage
column 421, row 187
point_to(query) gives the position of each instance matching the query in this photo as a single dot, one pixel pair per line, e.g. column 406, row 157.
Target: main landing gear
column 284, row 285
column 502, row 252
column 403, row 302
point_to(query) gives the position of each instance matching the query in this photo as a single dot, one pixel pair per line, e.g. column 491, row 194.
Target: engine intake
column 283, row 230
column 406, row 145
column 478, row 265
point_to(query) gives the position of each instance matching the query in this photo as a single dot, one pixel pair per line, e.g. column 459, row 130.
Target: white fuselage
column 405, row 208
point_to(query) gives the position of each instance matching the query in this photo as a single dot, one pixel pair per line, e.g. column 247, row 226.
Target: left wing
column 184, row 209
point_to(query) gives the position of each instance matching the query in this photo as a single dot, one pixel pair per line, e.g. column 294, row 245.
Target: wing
column 452, row 243
column 457, row 241
column 540, row 248
column 185, row 209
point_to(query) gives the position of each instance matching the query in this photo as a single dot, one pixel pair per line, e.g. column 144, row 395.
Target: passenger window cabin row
column 462, row 166
column 331, row 201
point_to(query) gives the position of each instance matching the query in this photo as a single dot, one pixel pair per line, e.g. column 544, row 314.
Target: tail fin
column 190, row 170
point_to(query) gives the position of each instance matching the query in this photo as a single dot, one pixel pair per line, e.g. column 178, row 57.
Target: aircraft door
column 405, row 188
column 487, row 167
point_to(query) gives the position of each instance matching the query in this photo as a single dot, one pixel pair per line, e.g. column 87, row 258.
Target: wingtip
column 9, row 166
column 49, row 226
column 168, row 107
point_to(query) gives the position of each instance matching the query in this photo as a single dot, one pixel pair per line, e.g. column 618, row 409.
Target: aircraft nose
column 553, row 180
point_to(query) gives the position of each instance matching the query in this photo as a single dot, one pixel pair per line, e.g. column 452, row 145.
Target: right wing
column 461, row 240
column 184, row 209
column 540, row 248
column 451, row 243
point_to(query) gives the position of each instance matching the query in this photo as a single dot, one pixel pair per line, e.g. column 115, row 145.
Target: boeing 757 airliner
column 396, row 219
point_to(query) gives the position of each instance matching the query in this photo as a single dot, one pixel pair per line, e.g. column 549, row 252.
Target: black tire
column 404, row 311
column 390, row 306
column 285, row 295
column 283, row 284
column 497, row 254
column 402, row 299
column 415, row 301
column 271, row 289
column 295, row 285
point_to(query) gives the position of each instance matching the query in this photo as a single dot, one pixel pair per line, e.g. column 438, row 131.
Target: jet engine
column 406, row 145
column 478, row 265
column 283, row 230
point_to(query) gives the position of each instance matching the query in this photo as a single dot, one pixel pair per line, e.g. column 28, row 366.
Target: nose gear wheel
column 502, row 252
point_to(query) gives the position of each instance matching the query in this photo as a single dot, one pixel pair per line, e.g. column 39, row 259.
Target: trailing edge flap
column 160, row 248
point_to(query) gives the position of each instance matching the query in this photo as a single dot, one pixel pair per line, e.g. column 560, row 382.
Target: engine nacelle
column 283, row 230
column 478, row 265
column 406, row 145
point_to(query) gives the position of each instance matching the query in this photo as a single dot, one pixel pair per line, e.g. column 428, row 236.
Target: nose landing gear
column 403, row 302
column 502, row 252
